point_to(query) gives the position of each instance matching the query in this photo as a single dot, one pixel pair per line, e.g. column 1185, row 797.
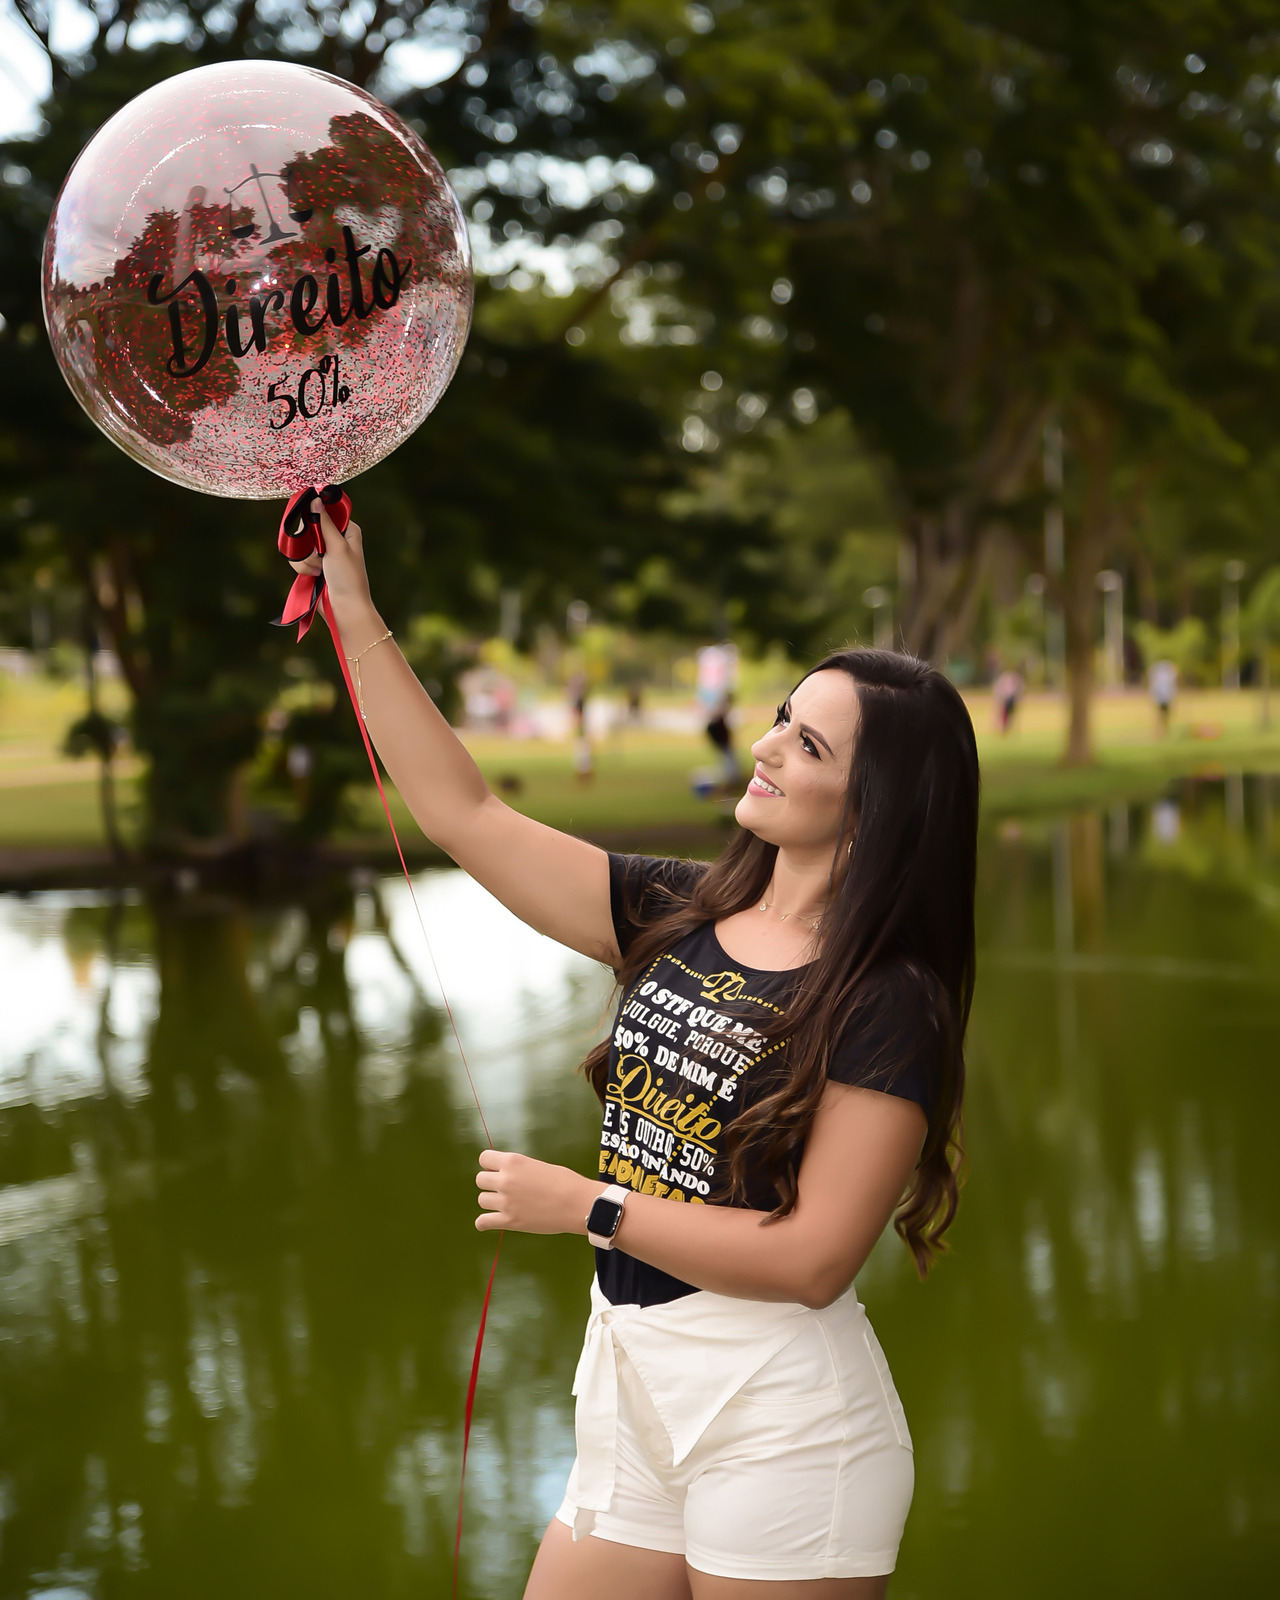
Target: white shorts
column 805, row 1471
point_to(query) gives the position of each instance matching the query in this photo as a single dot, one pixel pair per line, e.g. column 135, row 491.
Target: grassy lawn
column 641, row 781
column 47, row 799
column 1213, row 731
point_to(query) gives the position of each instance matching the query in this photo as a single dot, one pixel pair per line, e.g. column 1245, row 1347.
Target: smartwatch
column 605, row 1215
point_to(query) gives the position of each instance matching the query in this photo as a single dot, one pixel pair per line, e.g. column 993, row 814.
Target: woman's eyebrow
column 814, row 734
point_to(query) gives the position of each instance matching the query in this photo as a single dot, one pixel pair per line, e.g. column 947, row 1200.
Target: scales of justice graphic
column 298, row 213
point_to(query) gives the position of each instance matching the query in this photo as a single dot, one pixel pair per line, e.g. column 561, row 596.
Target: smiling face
column 796, row 797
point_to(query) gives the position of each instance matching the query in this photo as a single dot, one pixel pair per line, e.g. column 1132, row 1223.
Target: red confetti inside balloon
column 257, row 277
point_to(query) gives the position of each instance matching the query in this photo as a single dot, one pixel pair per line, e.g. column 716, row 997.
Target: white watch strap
column 614, row 1192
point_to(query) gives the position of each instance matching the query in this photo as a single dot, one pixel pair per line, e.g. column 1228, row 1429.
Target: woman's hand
column 531, row 1196
column 343, row 565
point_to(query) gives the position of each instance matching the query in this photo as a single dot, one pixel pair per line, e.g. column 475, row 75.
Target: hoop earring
column 849, row 848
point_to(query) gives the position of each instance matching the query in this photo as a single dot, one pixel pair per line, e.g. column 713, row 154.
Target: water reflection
column 238, row 1282
column 1120, row 1219
column 237, row 1274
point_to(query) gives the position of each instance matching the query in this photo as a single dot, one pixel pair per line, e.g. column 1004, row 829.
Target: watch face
column 604, row 1218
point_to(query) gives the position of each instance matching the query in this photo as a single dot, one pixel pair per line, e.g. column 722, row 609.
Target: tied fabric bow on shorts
column 692, row 1355
column 301, row 536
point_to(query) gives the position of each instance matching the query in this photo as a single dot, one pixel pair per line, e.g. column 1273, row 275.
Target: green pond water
column 239, row 1283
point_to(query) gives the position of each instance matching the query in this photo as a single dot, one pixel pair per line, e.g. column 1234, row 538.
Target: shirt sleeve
column 643, row 888
column 891, row 1043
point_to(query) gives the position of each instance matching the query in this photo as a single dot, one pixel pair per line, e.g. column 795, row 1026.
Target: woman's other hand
column 531, row 1196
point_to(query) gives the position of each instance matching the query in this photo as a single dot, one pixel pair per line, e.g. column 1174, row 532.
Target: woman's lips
column 760, row 785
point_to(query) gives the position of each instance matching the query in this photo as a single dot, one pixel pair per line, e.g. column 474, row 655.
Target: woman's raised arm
column 554, row 882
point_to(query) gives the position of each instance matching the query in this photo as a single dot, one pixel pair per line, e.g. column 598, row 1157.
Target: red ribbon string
column 301, row 536
column 470, row 1411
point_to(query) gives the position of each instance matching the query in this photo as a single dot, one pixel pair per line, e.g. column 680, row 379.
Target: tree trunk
column 1145, row 575
column 1079, row 615
column 194, row 720
column 110, row 811
column 106, row 751
column 944, row 548
column 955, row 633
column 1086, row 542
column 952, row 542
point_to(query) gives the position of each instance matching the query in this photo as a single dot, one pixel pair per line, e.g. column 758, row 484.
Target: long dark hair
column 899, row 916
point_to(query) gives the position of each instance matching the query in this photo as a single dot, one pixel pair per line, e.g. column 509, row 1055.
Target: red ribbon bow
column 299, row 538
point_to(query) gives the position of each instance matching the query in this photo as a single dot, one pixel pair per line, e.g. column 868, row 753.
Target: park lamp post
column 1232, row 572
column 509, row 615
column 577, row 615
column 1112, row 586
column 882, row 611
column 1055, row 558
column 1035, row 593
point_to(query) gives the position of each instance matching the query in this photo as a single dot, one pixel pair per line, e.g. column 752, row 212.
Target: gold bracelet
column 354, row 661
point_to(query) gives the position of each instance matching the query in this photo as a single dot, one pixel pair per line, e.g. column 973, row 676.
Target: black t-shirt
column 686, row 1056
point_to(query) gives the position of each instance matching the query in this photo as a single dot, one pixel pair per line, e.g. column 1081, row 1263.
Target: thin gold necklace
column 783, row 915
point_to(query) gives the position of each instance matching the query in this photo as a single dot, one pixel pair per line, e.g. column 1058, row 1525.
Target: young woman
column 785, row 1074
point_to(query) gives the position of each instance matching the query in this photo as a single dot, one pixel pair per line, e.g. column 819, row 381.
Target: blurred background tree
column 957, row 223
column 541, row 469
column 1260, row 632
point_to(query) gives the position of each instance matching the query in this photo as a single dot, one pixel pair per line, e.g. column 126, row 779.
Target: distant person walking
column 584, row 768
column 1007, row 691
column 721, row 736
column 1162, row 682
column 577, row 692
column 717, row 676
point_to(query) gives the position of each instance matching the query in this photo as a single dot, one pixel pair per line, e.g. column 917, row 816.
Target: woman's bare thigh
column 591, row 1568
column 704, row 1587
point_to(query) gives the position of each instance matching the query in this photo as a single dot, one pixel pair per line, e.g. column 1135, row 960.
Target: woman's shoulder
column 890, row 1037
column 656, row 874
column 897, row 981
column 644, row 888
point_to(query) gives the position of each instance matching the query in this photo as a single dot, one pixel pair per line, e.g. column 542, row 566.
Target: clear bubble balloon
column 256, row 278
